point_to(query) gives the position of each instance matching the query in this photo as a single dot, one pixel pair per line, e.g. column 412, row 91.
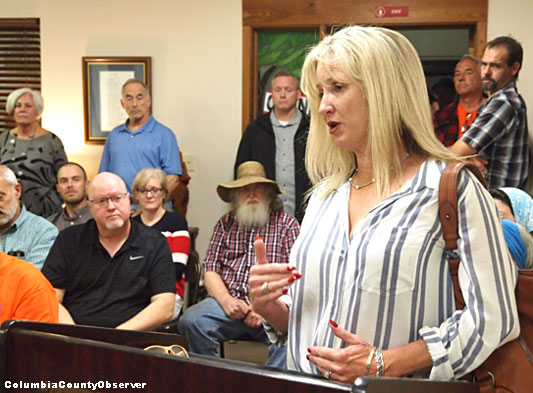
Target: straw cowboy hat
column 249, row 172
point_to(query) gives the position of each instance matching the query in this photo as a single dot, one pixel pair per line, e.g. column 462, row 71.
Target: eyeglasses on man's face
column 103, row 202
column 153, row 191
column 174, row 350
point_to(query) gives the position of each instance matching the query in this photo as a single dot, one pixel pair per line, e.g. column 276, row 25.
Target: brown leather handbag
column 510, row 367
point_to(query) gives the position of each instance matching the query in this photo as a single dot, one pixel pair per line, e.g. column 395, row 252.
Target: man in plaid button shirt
column 226, row 314
column 499, row 133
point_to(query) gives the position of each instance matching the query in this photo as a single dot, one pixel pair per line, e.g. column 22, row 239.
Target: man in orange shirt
column 452, row 120
column 25, row 293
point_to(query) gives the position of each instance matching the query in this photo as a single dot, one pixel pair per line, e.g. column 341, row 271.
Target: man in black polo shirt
column 111, row 271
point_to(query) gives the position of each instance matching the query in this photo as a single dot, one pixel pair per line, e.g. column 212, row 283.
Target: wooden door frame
column 322, row 14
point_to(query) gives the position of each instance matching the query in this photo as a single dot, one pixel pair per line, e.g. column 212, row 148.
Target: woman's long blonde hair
column 387, row 68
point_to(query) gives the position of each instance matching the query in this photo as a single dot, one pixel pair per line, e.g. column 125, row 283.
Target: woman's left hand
column 342, row 364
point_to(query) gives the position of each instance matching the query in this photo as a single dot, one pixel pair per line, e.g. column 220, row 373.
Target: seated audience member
column 24, row 234
column 150, row 189
column 72, row 187
column 24, row 292
column 226, row 314
column 452, row 120
column 111, row 271
column 519, row 241
column 522, row 205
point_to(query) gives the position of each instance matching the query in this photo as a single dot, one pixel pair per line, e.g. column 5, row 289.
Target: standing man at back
column 278, row 140
column 499, row 134
column 142, row 142
column 452, row 120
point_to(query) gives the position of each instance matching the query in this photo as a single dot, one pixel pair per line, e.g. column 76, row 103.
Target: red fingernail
column 297, row 275
column 284, row 291
column 258, row 237
column 309, row 350
column 291, row 279
column 333, row 323
column 290, row 268
column 307, row 357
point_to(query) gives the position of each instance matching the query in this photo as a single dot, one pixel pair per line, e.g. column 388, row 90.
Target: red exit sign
column 392, row 11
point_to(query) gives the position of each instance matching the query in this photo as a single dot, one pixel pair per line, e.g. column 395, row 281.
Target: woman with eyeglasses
column 150, row 188
column 33, row 153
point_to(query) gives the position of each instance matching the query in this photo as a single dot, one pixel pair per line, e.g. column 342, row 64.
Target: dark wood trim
column 248, row 58
column 321, row 14
column 312, row 13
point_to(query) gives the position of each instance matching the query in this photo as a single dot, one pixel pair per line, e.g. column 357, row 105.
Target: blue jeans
column 206, row 325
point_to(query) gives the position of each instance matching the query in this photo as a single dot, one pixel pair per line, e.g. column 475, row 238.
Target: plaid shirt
column 231, row 251
column 499, row 133
column 446, row 123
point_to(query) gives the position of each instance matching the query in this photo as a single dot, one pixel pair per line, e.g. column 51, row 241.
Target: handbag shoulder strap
column 448, row 218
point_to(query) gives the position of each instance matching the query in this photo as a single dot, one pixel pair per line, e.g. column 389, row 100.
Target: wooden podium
column 49, row 357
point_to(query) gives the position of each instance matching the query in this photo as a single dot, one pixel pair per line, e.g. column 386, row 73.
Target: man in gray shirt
column 278, row 140
column 72, row 186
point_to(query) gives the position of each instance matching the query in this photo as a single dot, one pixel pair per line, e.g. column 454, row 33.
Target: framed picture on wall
column 103, row 78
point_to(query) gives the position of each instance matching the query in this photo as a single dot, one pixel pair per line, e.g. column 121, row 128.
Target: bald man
column 112, row 271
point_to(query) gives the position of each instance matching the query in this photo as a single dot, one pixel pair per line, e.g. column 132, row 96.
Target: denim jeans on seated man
column 206, row 325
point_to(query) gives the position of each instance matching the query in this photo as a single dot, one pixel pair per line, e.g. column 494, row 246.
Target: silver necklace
column 359, row 186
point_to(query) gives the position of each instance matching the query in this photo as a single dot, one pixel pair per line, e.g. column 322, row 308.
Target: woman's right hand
column 277, row 277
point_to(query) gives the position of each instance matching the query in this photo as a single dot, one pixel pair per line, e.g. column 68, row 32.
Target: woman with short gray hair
column 32, row 153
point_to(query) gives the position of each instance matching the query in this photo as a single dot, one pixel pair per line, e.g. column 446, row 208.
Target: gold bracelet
column 369, row 360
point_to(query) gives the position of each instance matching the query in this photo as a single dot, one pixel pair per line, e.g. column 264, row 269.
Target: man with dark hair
column 142, row 142
column 452, row 120
column 444, row 90
column 278, row 140
column 499, row 134
column 112, row 271
column 72, row 186
column 227, row 313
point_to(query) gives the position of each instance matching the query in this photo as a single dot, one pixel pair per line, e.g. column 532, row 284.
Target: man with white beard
column 112, row 271
column 22, row 234
column 226, row 314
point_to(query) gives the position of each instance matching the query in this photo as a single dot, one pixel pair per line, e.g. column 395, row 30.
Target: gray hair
column 9, row 175
column 134, row 80
column 15, row 95
column 470, row 57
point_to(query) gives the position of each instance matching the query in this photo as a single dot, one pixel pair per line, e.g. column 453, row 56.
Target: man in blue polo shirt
column 142, row 142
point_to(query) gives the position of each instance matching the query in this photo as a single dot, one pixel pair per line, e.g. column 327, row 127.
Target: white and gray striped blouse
column 389, row 281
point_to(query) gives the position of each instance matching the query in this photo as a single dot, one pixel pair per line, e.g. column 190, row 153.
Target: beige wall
column 196, row 50
column 196, row 77
column 513, row 17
